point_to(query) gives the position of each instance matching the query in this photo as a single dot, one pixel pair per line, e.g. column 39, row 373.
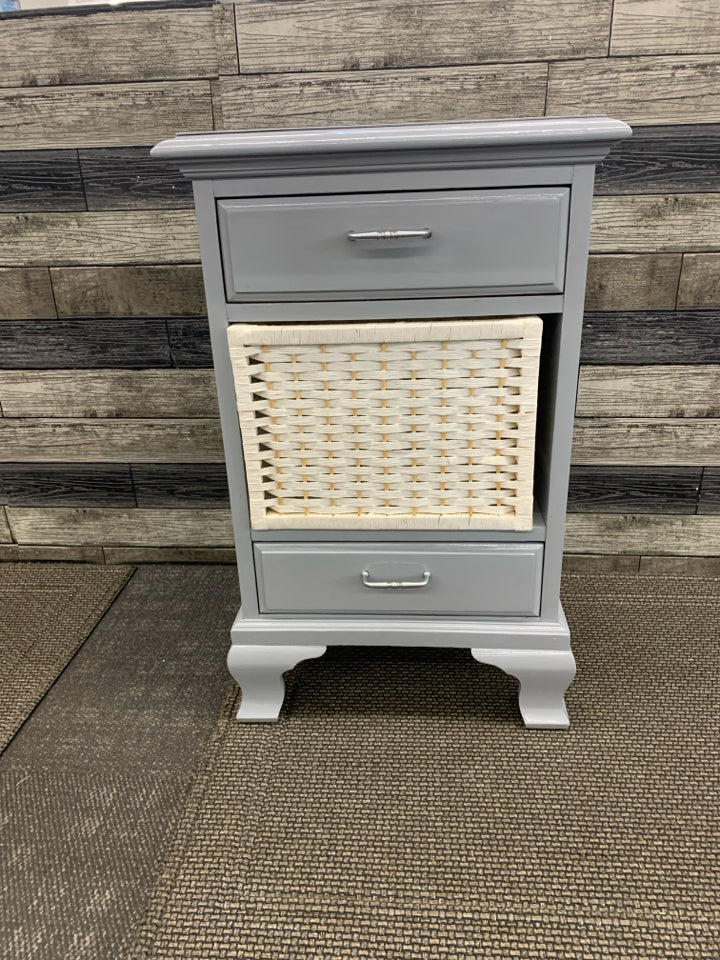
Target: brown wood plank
column 382, row 96
column 67, row 526
column 680, row 566
column 665, row 26
column 123, row 45
column 134, row 291
column 127, row 178
column 108, row 393
column 670, row 159
column 102, row 115
column 632, row 281
column 639, row 89
column 123, row 236
column 661, row 442
column 597, row 563
column 275, row 37
column 651, row 337
column 646, row 391
column 600, row 489
column 83, row 344
column 26, row 293
column 32, row 180
column 169, row 554
column 644, row 534
column 22, row 554
column 66, row 484
column 110, row 441
column 654, row 224
column 700, row 280
column 5, row 535
column 709, row 502
column 180, row 484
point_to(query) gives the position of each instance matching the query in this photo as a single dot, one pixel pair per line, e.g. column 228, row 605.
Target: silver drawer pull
column 394, row 584
column 423, row 234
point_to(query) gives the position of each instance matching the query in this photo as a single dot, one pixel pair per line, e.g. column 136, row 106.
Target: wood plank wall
column 109, row 437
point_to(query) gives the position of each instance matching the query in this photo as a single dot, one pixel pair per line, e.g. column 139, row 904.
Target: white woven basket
column 428, row 424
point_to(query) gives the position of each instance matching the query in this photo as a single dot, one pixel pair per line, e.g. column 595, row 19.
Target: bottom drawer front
column 484, row 580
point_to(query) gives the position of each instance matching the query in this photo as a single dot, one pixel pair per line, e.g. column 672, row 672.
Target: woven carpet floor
column 47, row 610
column 399, row 809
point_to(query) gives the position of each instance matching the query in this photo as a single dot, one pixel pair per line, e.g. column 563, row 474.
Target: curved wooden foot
column 259, row 673
column 544, row 677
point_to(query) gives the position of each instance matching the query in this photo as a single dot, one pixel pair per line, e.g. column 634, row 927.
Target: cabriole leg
column 259, row 673
column 544, row 677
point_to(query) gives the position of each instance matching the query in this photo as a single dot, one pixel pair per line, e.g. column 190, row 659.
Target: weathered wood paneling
column 108, row 393
column 645, row 534
column 682, row 337
column 137, row 291
column 650, row 224
column 634, row 489
column 122, row 45
column 672, row 159
column 190, row 342
column 58, row 344
column 125, row 178
column 665, row 26
column 589, row 563
column 24, row 554
column 26, row 293
column 180, row 484
column 700, row 280
column 138, row 527
column 32, row 180
column 638, row 89
column 381, row 96
column 631, row 281
column 169, row 554
column 649, row 391
column 102, row 115
column 5, row 535
column 710, row 491
column 66, row 484
column 680, row 566
column 620, row 441
column 123, row 236
column 356, row 35
column 110, row 441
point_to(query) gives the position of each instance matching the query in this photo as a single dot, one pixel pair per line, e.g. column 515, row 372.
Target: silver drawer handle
column 394, row 584
column 423, row 234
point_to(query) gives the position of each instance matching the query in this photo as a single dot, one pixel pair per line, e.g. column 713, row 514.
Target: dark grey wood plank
column 190, row 342
column 32, row 180
column 599, row 489
column 56, row 344
column 180, row 484
column 66, row 485
column 119, row 178
column 667, row 159
column 709, row 502
column 129, row 291
column 663, row 336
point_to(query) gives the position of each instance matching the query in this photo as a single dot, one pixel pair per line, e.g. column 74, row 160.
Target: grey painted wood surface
column 664, row 26
column 129, row 291
column 700, row 280
column 25, row 293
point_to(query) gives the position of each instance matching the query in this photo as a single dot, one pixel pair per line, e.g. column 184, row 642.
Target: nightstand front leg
column 259, row 673
column 544, row 677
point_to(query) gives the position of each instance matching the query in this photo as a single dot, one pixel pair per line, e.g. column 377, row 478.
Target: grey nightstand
column 396, row 316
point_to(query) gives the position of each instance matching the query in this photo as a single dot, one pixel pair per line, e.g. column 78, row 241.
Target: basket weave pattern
column 428, row 424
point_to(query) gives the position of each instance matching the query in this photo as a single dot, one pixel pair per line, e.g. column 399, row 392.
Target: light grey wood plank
column 169, row 554
column 382, row 96
column 632, row 281
column 102, row 115
column 645, row 534
column 175, row 290
column 26, row 294
column 599, row 563
column 79, row 554
column 299, row 35
column 108, row 393
column 680, row 566
column 67, row 526
column 700, row 280
column 661, row 442
column 5, row 536
column 639, row 89
column 653, row 224
column 135, row 45
column 647, row 391
column 665, row 26
column 107, row 237
column 110, row 441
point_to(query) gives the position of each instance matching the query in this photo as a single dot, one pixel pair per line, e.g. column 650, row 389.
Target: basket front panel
column 385, row 433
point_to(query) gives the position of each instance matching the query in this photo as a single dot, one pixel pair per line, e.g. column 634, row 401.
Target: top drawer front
column 482, row 241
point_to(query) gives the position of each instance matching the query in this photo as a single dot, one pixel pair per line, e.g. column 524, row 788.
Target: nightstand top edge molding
column 486, row 142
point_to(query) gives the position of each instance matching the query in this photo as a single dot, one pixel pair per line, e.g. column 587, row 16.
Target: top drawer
column 466, row 242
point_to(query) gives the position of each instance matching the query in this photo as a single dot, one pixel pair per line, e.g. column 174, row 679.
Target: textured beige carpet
column 47, row 610
column 399, row 809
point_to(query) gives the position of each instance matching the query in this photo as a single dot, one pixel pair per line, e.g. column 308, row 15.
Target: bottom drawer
column 441, row 579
